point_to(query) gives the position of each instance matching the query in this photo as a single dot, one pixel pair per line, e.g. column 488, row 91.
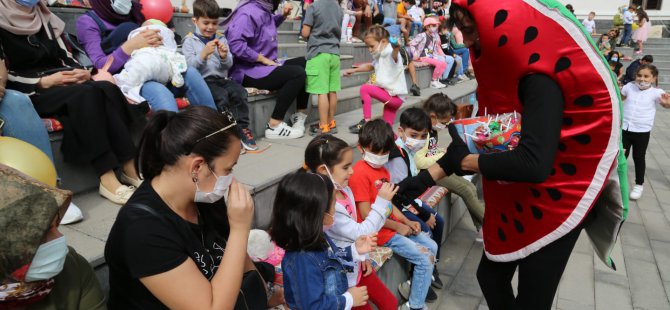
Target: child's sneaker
column 317, row 129
column 415, row 90
column 298, row 121
column 437, row 85
column 282, row 131
column 356, row 128
column 437, row 282
column 333, row 127
column 405, row 288
column 462, row 78
column 405, row 306
column 636, row 193
column 248, row 141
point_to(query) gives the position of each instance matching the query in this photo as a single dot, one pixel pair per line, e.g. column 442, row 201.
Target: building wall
column 606, row 9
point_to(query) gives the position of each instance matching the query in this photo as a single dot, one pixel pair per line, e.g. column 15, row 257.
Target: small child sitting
column 417, row 14
column 160, row 63
column 207, row 51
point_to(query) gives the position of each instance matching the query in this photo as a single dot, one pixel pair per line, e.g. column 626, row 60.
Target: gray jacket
column 214, row 66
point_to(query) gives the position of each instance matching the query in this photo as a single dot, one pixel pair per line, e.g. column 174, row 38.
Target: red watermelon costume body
column 522, row 37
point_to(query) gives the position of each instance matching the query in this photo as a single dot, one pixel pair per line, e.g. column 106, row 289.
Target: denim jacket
column 316, row 280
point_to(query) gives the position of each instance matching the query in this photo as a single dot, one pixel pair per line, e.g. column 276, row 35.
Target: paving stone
column 662, row 255
column 456, row 249
column 633, row 214
column 99, row 215
column 89, row 247
column 610, row 296
column 583, row 244
column 618, row 259
column 648, row 201
column 564, row 304
column 656, row 225
column 576, row 287
column 634, row 235
column 452, row 300
column 646, row 286
column 465, row 281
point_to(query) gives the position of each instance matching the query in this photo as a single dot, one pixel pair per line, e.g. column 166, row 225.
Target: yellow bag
column 635, row 26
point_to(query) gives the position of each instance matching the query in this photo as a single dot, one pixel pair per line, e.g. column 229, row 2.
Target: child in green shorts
column 322, row 31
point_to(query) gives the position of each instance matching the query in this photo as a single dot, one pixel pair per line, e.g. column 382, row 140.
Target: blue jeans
column 627, row 33
column 450, row 64
column 388, row 21
column 436, row 234
column 415, row 25
column 22, row 121
column 465, row 55
column 420, row 251
column 161, row 97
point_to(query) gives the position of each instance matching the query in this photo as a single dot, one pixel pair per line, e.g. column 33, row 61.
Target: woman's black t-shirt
column 143, row 244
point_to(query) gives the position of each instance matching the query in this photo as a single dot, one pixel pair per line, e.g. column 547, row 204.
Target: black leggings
column 95, row 121
column 290, row 80
column 539, row 274
column 639, row 142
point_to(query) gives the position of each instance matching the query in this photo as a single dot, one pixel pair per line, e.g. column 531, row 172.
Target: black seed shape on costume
column 535, row 193
column 553, row 172
column 535, row 57
column 518, row 226
column 470, row 2
column 500, row 18
column 502, row 41
column 518, row 207
column 582, row 139
column 554, row 194
column 567, row 121
column 530, row 35
column 537, row 213
column 568, row 169
column 503, row 218
column 562, row 147
column 501, row 234
column 563, row 63
column 584, row 101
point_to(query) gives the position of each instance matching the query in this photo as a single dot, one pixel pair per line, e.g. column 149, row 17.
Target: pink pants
column 439, row 65
column 391, row 104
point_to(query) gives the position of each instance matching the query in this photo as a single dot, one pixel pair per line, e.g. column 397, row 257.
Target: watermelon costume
column 523, row 37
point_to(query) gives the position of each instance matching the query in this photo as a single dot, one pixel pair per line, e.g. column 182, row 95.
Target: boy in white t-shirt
column 417, row 14
column 589, row 23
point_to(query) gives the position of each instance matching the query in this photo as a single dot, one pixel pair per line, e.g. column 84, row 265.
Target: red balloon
column 157, row 9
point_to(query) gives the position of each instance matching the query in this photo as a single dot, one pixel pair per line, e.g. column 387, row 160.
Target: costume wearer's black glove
column 415, row 186
column 402, row 200
column 457, row 150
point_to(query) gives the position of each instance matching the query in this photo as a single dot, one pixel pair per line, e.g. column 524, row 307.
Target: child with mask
column 399, row 233
column 207, row 51
column 412, row 137
column 427, row 47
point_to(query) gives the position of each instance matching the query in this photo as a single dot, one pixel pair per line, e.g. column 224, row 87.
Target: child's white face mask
column 377, row 52
column 374, row 160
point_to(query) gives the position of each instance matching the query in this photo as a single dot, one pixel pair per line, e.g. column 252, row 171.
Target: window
column 648, row 4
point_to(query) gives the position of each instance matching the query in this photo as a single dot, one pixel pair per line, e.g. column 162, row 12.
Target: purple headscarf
column 103, row 8
column 266, row 4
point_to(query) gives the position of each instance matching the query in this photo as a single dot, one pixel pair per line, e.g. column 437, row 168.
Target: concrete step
column 358, row 50
column 292, row 25
column 287, row 36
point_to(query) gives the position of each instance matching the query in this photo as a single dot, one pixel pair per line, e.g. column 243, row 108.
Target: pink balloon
column 157, row 9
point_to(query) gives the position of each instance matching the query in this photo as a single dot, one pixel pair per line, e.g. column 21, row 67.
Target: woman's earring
column 194, row 177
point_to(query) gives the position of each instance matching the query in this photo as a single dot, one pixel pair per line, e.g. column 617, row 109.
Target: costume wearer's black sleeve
column 542, row 116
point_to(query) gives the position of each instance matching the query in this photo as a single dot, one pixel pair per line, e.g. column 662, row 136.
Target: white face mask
column 122, row 7
column 48, row 260
column 375, row 161
column 643, row 85
column 439, row 126
column 337, row 186
column 377, row 52
column 414, row 145
column 220, row 190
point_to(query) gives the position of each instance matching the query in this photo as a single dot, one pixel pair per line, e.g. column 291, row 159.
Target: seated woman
column 614, row 58
column 94, row 114
column 181, row 241
column 252, row 36
column 103, row 32
column 39, row 270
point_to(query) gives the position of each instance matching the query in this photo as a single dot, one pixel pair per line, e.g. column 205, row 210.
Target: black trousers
column 95, row 119
column 232, row 97
column 290, row 80
column 539, row 274
column 639, row 142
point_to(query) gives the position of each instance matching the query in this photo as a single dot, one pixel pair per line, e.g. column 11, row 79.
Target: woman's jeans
column 162, row 97
column 22, row 121
column 465, row 56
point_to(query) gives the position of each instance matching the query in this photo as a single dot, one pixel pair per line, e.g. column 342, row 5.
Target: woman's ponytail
column 149, row 161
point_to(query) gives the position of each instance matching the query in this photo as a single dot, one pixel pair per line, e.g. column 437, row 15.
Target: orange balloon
column 28, row 159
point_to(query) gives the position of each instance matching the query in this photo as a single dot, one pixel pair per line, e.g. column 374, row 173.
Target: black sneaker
column 315, row 130
column 415, row 90
column 248, row 141
column 355, row 129
column 437, row 283
column 431, row 296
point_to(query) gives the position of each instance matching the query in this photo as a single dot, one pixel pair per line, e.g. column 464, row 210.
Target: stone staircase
column 660, row 49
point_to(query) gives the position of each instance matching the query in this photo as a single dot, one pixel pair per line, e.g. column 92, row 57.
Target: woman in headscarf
column 252, row 36
column 94, row 114
column 103, row 32
column 38, row 270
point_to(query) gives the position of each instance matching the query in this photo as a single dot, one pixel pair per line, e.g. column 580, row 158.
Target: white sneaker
column 298, row 121
column 480, row 235
column 283, row 131
column 636, row 193
column 72, row 215
column 437, row 85
column 405, row 306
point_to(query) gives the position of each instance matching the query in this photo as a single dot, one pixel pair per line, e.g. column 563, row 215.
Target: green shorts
column 323, row 74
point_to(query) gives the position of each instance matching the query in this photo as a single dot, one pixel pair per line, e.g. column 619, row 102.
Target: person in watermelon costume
column 567, row 172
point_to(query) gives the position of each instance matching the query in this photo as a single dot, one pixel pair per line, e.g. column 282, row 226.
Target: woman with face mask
column 180, row 242
column 103, row 32
column 427, row 47
column 38, row 269
column 94, row 113
column 614, row 59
